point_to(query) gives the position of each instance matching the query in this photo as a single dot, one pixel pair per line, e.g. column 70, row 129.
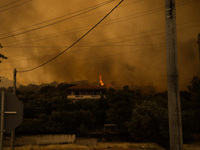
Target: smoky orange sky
column 127, row 48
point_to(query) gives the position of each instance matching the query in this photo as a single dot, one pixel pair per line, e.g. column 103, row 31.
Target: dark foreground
column 101, row 146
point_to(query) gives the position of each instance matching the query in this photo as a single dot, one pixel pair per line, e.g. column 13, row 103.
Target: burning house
column 88, row 91
column 85, row 91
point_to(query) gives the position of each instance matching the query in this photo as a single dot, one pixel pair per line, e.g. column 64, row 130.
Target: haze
column 127, row 48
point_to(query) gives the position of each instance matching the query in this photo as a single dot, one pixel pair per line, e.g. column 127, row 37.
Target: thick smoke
column 128, row 48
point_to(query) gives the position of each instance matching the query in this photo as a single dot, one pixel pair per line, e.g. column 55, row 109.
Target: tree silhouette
column 1, row 55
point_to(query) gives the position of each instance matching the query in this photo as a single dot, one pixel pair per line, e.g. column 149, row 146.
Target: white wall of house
column 83, row 96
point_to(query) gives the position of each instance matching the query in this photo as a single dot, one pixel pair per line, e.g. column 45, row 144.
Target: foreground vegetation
column 139, row 115
column 100, row 146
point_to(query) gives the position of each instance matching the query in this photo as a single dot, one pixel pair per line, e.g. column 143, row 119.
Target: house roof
column 86, row 87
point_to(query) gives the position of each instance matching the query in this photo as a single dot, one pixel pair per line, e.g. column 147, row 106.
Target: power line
column 104, row 3
column 15, row 6
column 112, row 21
column 97, row 46
column 161, row 45
column 108, row 55
column 75, row 41
column 152, row 11
column 188, row 27
column 50, row 24
column 9, row 3
column 110, row 44
column 153, row 30
column 143, row 50
column 91, row 8
column 54, row 47
column 104, row 45
column 185, row 2
column 42, row 57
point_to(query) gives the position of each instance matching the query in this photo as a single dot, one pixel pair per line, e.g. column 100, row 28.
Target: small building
column 85, row 91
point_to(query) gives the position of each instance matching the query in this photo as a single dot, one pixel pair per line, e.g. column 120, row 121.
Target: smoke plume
column 128, row 48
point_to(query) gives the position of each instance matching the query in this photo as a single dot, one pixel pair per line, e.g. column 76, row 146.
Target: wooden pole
column 14, row 92
column 2, row 119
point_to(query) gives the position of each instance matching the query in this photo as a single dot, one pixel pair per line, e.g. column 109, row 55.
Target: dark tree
column 1, row 55
column 194, row 89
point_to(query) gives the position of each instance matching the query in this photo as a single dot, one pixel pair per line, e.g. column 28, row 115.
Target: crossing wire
column 75, row 41
column 111, row 22
column 15, row 6
column 85, row 10
column 9, row 4
column 37, row 28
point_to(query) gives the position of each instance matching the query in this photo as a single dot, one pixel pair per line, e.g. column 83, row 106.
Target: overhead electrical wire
column 104, row 3
column 98, row 57
column 181, row 3
column 2, row 38
column 115, row 20
column 153, row 30
column 112, row 21
column 15, row 6
column 110, row 44
column 9, row 4
column 192, row 26
column 81, row 46
column 108, row 23
column 43, row 57
column 68, row 14
column 153, row 11
column 50, row 24
column 105, row 45
column 185, row 2
column 110, row 55
column 75, row 41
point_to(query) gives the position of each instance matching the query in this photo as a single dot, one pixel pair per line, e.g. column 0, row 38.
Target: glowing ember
column 100, row 80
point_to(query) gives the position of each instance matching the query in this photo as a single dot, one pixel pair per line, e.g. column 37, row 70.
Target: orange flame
column 100, row 80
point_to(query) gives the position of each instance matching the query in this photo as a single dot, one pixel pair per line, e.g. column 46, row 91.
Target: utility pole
column 14, row 92
column 198, row 41
column 0, row 47
column 2, row 119
column 174, row 108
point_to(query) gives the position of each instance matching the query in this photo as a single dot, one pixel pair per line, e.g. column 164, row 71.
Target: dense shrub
column 142, row 116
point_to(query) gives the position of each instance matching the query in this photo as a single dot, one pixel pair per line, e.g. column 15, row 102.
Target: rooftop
column 86, row 87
